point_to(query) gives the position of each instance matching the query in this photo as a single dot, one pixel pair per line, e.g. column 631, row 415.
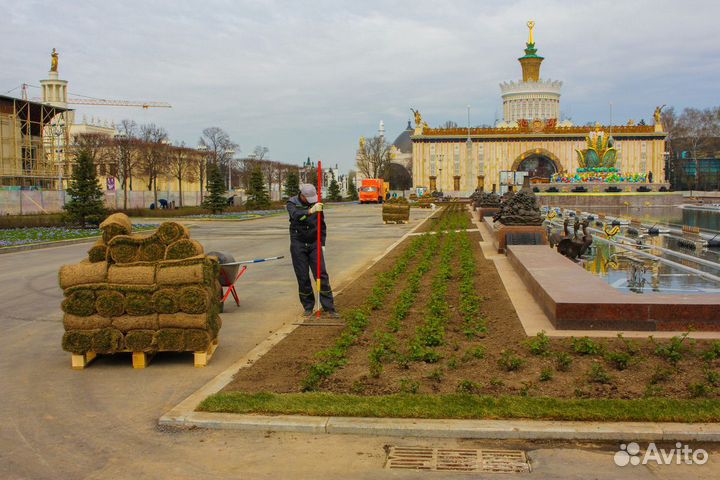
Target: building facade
column 530, row 139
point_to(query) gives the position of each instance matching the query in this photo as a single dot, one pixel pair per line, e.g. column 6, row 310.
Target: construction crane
column 117, row 103
column 100, row 101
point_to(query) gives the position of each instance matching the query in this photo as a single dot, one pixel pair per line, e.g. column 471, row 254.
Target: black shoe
column 331, row 314
column 307, row 313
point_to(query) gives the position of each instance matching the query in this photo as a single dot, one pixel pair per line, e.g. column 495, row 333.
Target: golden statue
column 658, row 115
column 362, row 143
column 418, row 118
column 531, row 26
column 54, row 61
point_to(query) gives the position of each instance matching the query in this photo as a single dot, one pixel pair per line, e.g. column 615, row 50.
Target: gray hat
column 308, row 191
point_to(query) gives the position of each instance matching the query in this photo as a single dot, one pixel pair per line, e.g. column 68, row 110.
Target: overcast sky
column 308, row 78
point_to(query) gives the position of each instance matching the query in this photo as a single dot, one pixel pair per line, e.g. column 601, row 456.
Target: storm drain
column 457, row 460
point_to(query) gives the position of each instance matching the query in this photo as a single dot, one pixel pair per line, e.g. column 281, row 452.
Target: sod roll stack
column 136, row 293
column 396, row 210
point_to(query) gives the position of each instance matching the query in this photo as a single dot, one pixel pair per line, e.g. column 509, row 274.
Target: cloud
column 308, row 78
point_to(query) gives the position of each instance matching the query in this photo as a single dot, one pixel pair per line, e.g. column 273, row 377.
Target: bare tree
column 93, row 144
column 154, row 154
column 697, row 130
column 220, row 148
column 449, row 124
column 181, row 165
column 373, row 157
column 125, row 151
column 259, row 152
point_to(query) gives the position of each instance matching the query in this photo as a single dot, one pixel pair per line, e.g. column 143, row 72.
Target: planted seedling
column 619, row 360
column 437, row 375
column 509, row 361
column 563, row 361
column 586, row 346
column 598, row 374
column 699, row 389
column 546, row 375
column 672, row 351
column 540, row 344
column 468, row 386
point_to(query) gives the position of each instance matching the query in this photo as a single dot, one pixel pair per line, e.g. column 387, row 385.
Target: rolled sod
column 82, row 273
column 152, row 251
column 107, row 340
column 126, row 323
column 124, row 249
column 196, row 340
column 169, row 232
column 183, row 272
column 114, row 225
column 214, row 324
column 138, row 303
column 183, row 320
column 80, row 303
column 171, row 340
column 110, row 303
column 78, row 342
column 98, row 252
column 166, row 301
column 73, row 322
column 194, row 300
column 141, row 340
column 131, row 274
column 184, row 248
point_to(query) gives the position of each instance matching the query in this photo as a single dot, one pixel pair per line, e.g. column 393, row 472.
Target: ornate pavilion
column 530, row 139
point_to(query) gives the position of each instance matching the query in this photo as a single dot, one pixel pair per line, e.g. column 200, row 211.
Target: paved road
column 57, row 423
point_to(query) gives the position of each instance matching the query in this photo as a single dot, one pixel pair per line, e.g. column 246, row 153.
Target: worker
column 303, row 210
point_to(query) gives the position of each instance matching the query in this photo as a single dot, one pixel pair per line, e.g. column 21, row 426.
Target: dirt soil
column 648, row 374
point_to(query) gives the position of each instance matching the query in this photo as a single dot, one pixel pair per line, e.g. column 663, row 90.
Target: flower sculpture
column 599, row 152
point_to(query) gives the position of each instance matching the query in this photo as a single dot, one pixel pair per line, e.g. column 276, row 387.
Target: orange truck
column 373, row 190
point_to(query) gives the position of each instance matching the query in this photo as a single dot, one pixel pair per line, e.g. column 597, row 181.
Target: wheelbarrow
column 231, row 271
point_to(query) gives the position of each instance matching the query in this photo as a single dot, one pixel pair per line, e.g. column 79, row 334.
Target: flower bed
column 12, row 237
column 249, row 215
column 598, row 175
column 433, row 321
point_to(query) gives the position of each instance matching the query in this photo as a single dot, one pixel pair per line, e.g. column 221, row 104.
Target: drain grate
column 457, row 460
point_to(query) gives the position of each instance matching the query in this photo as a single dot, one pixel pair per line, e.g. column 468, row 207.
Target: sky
column 308, row 78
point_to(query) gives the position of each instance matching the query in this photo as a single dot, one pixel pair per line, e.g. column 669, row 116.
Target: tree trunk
column 180, row 190
column 154, row 184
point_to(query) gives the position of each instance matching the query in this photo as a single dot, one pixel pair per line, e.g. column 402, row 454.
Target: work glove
column 318, row 207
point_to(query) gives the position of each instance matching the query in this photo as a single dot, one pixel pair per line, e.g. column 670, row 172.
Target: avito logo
column 682, row 454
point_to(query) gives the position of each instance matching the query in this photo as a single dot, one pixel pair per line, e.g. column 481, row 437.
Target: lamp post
column 203, row 167
column 230, row 152
column 58, row 129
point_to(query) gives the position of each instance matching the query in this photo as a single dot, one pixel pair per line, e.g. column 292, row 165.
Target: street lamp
column 58, row 129
column 230, row 152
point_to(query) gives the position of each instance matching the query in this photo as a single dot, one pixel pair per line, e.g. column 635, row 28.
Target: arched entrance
column 539, row 163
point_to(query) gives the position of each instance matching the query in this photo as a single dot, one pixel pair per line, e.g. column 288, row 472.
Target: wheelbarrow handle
column 257, row 260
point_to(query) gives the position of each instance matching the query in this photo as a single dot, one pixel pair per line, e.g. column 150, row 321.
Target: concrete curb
column 178, row 415
column 439, row 428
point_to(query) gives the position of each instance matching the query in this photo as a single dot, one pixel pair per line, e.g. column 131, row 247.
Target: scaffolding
column 33, row 139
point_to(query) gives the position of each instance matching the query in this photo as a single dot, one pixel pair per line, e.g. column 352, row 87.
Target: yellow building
column 529, row 139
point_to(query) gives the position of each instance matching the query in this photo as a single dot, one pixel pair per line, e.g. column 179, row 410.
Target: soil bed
column 383, row 360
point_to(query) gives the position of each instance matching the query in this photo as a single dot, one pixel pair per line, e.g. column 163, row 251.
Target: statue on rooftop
column 54, row 61
column 658, row 115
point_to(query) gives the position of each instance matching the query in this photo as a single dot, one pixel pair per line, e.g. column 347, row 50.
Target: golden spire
column 531, row 26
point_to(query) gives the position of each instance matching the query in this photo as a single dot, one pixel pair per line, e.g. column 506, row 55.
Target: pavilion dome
column 403, row 142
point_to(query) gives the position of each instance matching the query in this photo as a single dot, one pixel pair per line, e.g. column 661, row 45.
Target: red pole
column 319, row 235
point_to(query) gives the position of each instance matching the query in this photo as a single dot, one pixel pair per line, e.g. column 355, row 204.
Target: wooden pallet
column 142, row 359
